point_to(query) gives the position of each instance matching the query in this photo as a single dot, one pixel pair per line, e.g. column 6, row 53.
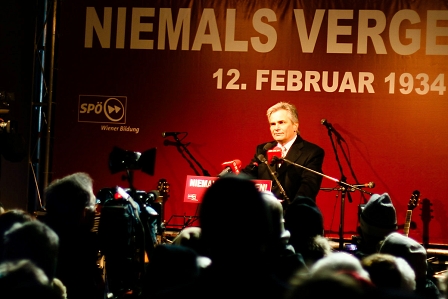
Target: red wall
column 395, row 137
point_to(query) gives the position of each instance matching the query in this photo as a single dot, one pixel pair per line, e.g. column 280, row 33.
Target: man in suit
column 294, row 180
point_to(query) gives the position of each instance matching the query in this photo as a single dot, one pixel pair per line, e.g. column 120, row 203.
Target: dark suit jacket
column 295, row 180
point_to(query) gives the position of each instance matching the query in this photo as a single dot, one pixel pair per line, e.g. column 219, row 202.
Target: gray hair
column 293, row 115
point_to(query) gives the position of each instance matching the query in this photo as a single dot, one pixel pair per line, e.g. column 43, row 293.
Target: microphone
column 166, row 134
column 329, row 127
column 274, row 154
column 367, row 185
column 268, row 146
column 231, row 166
column 252, row 167
column 324, row 122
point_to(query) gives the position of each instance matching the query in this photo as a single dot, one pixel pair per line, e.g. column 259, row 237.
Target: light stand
column 183, row 146
column 187, row 220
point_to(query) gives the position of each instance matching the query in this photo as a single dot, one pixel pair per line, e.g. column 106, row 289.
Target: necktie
column 279, row 164
column 283, row 151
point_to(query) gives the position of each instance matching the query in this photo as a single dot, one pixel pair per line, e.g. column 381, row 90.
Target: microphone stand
column 344, row 188
column 184, row 147
column 345, row 185
column 282, row 191
column 339, row 139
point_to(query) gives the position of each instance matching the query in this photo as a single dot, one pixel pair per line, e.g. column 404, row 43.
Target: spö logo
column 102, row 109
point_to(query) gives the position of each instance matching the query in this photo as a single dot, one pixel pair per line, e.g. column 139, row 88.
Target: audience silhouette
column 377, row 219
column 389, row 272
column 70, row 212
column 37, row 242
column 253, row 250
column 10, row 217
column 22, row 279
column 415, row 254
column 304, row 221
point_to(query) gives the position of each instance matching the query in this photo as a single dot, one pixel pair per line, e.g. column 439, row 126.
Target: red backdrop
column 128, row 71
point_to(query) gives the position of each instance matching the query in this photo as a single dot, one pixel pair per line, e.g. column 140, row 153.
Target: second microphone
column 233, row 166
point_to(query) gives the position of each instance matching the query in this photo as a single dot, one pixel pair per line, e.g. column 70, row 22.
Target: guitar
column 164, row 190
column 413, row 202
column 164, row 193
column 426, row 218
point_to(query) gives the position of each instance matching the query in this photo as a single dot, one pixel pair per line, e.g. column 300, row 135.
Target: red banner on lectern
column 195, row 187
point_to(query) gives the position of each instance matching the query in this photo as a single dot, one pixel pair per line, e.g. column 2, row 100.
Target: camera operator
column 70, row 212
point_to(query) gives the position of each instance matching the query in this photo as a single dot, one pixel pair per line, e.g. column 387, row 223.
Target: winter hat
column 378, row 218
column 407, row 248
column 303, row 218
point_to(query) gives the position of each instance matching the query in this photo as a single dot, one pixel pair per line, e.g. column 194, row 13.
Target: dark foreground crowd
column 247, row 245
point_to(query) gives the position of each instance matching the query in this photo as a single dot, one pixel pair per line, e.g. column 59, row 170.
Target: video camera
column 128, row 224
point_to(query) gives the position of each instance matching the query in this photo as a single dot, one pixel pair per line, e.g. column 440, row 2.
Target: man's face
column 89, row 212
column 282, row 127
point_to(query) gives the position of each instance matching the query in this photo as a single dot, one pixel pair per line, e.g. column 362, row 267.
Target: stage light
column 123, row 160
column 147, row 161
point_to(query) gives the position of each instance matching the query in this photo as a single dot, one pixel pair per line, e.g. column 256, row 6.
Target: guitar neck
column 407, row 223
column 426, row 218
